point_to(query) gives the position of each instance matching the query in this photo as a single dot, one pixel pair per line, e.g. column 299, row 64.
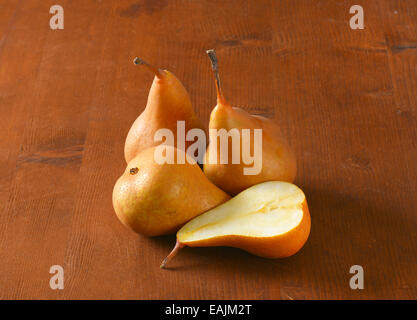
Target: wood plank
column 345, row 99
column 50, row 149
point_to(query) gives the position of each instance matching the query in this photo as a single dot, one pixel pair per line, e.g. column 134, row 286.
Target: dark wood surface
column 345, row 99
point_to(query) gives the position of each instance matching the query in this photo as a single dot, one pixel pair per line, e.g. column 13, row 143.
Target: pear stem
column 215, row 67
column 172, row 254
column 158, row 72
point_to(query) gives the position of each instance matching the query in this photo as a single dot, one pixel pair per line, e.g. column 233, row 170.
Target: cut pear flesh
column 270, row 219
column 264, row 210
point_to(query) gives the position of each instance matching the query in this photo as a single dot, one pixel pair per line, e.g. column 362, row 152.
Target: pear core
column 265, row 210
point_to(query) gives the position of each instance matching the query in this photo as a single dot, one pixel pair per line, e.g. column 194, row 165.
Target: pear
column 278, row 161
column 155, row 199
column 270, row 220
column 168, row 102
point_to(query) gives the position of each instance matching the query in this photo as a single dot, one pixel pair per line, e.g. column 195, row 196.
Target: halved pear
column 270, row 220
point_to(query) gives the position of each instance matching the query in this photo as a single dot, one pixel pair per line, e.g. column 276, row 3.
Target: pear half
column 270, row 220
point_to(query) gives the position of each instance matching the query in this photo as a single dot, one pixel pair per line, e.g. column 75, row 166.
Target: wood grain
column 345, row 99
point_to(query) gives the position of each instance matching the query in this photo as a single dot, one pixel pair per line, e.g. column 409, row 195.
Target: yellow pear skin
column 157, row 199
column 278, row 160
column 168, row 102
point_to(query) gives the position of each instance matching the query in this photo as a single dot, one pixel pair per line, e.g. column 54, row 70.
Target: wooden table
column 345, row 99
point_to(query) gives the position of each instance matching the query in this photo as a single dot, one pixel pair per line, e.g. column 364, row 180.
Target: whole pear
column 168, row 102
column 278, row 161
column 156, row 199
